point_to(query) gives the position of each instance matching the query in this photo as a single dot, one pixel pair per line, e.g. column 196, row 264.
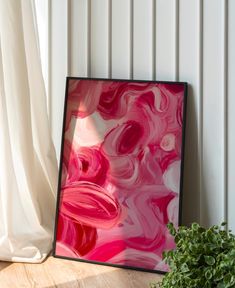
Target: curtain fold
column 28, row 167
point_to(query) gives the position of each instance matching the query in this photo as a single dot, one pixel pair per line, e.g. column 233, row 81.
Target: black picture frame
column 185, row 85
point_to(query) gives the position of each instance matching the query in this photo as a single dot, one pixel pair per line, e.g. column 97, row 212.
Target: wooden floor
column 70, row 274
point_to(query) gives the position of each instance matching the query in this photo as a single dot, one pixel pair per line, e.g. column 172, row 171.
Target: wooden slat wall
column 165, row 40
column 186, row 40
column 190, row 71
column 143, row 39
column 121, row 39
column 79, row 34
column 59, row 64
column 212, row 202
column 230, row 113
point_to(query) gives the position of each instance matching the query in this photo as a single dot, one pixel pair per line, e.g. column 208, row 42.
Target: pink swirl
column 152, row 202
column 132, row 172
column 123, row 171
column 90, row 204
column 94, row 166
column 71, row 164
column 144, row 240
column 114, row 100
column 117, row 252
column 83, row 98
column 80, row 239
column 124, row 139
column 84, row 164
column 117, row 97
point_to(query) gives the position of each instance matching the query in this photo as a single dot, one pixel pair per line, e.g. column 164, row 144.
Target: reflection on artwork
column 120, row 171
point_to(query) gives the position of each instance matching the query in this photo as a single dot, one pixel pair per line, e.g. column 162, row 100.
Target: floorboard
column 62, row 273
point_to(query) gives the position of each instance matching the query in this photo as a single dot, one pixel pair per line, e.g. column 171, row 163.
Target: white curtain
column 28, row 169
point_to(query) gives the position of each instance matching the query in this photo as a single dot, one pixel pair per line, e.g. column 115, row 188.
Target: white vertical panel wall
column 78, row 40
column 121, row 41
column 165, row 40
column 143, row 61
column 212, row 202
column 190, row 71
column 59, row 64
column 230, row 112
column 185, row 40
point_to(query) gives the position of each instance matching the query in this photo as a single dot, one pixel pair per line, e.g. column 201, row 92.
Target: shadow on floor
column 4, row 265
column 117, row 278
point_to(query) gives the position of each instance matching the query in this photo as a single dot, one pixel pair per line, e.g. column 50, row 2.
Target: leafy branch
column 202, row 258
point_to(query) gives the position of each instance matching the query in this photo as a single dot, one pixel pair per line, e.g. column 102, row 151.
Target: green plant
column 202, row 258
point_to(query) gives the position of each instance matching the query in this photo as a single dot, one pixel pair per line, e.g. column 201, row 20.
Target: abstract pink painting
column 120, row 172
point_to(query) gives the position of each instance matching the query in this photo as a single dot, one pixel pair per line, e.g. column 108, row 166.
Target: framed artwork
column 121, row 168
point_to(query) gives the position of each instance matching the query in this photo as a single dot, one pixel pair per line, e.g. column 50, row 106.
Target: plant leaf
column 209, row 260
